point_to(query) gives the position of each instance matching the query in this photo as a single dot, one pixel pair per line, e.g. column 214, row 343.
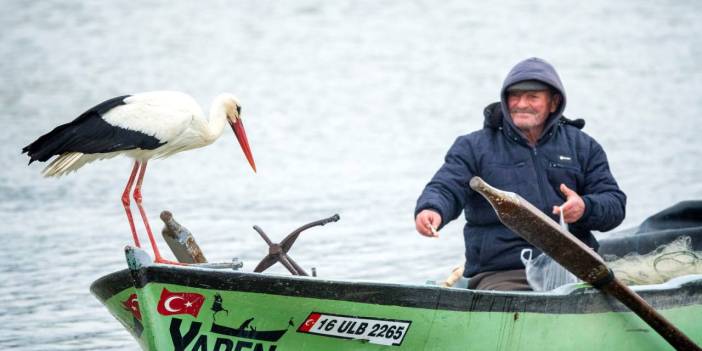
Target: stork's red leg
column 125, row 203
column 137, row 199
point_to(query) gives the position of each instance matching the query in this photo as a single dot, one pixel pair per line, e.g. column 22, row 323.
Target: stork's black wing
column 89, row 134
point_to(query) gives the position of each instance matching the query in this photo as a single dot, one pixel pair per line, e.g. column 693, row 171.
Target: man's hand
column 426, row 223
column 573, row 207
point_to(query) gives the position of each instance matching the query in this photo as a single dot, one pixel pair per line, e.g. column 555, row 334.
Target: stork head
column 233, row 110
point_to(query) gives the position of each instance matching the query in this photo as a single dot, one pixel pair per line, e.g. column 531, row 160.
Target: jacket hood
column 534, row 69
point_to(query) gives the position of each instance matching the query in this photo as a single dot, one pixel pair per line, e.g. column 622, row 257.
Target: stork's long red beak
column 240, row 133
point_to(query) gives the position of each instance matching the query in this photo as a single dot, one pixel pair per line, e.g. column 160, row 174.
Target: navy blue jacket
column 500, row 154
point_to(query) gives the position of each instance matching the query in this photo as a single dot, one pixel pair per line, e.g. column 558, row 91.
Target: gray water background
column 349, row 107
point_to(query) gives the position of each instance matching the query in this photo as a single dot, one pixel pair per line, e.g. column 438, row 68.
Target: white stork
column 141, row 126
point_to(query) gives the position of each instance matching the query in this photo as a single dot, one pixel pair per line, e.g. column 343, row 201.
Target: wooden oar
column 541, row 231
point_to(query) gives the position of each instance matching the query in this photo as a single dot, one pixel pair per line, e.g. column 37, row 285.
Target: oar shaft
column 631, row 299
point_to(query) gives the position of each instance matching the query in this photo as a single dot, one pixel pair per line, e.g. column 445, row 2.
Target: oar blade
column 541, row 231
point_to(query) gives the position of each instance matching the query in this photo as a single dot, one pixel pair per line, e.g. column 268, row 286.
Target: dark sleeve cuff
column 588, row 209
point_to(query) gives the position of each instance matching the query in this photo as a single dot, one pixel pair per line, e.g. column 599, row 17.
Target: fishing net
column 667, row 261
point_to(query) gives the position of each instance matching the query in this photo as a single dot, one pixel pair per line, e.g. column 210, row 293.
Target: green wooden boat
column 199, row 308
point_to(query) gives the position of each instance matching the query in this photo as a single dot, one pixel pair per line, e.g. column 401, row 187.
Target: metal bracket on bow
column 278, row 252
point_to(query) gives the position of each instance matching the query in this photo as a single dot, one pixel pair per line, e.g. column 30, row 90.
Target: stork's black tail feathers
column 71, row 137
column 49, row 144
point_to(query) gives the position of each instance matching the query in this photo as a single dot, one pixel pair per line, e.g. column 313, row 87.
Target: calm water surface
column 349, row 107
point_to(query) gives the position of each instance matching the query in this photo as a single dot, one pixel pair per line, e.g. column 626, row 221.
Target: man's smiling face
column 529, row 109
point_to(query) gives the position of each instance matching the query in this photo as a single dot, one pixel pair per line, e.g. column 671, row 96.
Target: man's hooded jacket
column 499, row 153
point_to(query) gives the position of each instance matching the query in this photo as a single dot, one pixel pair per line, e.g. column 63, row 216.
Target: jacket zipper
column 534, row 154
column 537, row 168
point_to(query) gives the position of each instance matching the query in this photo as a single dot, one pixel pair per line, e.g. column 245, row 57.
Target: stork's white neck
column 217, row 120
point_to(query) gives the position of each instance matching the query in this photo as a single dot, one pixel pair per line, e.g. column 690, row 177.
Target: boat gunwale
column 575, row 299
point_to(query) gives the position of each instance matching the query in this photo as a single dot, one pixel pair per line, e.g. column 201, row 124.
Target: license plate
column 377, row 331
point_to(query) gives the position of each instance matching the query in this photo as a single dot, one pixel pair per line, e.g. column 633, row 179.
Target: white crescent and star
column 167, row 304
column 133, row 303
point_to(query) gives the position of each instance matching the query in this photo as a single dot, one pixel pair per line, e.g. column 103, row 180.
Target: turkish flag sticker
column 179, row 303
column 132, row 305
column 309, row 322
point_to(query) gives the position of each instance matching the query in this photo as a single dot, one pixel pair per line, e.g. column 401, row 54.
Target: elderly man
column 528, row 147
